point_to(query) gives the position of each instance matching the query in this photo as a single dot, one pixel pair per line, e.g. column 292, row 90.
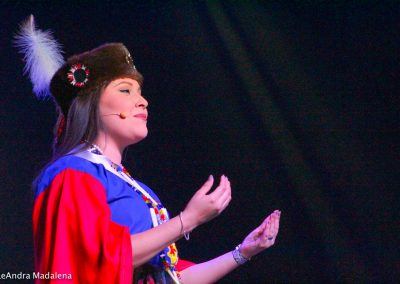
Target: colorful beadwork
column 78, row 75
column 169, row 256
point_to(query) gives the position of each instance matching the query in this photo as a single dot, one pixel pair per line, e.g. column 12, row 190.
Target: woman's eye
column 126, row 91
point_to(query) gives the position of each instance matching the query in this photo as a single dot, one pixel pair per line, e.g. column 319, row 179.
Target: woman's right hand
column 206, row 205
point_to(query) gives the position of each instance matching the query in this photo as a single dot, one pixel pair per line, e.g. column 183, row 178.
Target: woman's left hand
column 211, row 271
column 262, row 237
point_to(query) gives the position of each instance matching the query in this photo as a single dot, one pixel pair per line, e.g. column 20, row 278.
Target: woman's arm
column 73, row 231
column 210, row 271
column 258, row 240
column 200, row 209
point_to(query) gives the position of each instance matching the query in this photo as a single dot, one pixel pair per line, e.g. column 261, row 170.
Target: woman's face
column 123, row 112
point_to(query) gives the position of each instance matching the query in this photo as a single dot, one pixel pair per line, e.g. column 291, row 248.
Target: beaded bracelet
column 239, row 258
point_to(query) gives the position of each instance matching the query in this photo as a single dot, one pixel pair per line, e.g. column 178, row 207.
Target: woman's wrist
column 239, row 257
column 184, row 232
column 189, row 222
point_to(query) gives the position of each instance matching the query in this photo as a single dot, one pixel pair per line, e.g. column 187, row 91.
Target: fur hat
column 80, row 75
column 85, row 72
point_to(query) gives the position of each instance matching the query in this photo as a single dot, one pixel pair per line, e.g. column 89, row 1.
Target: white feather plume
column 42, row 56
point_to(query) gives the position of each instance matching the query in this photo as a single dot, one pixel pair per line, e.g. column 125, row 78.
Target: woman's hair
column 81, row 124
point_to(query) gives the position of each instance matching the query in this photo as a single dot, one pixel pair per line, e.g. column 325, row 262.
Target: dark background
column 296, row 103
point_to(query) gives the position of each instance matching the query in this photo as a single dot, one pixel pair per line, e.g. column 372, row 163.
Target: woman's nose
column 142, row 102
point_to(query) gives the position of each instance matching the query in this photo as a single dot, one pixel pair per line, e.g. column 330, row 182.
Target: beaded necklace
column 158, row 213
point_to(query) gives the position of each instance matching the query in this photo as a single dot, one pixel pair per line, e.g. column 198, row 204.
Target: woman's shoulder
column 68, row 164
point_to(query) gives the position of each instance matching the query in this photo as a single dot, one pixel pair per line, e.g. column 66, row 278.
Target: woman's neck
column 109, row 149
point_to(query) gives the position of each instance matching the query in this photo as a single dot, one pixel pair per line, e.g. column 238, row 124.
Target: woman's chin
column 138, row 137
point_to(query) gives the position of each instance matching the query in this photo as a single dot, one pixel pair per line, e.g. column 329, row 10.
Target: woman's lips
column 142, row 116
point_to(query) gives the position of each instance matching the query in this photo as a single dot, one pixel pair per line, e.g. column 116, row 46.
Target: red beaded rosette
column 78, row 75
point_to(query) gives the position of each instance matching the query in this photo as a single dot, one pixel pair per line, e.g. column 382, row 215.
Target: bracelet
column 239, row 258
column 185, row 234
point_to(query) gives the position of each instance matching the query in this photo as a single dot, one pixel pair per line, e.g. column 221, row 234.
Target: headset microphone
column 122, row 114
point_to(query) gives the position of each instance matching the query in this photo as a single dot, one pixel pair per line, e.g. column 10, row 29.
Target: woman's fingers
column 224, row 191
column 225, row 199
column 206, row 187
column 223, row 186
column 223, row 194
column 206, row 205
column 272, row 226
column 275, row 223
column 220, row 188
column 263, row 236
column 267, row 230
column 219, row 199
column 226, row 203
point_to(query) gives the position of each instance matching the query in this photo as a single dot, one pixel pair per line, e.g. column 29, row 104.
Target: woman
column 92, row 221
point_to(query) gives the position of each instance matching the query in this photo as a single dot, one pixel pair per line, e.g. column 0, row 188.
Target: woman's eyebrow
column 123, row 82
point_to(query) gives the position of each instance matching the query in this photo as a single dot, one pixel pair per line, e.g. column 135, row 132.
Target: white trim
column 103, row 160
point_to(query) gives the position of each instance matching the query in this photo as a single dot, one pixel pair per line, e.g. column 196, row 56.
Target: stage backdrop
column 296, row 103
